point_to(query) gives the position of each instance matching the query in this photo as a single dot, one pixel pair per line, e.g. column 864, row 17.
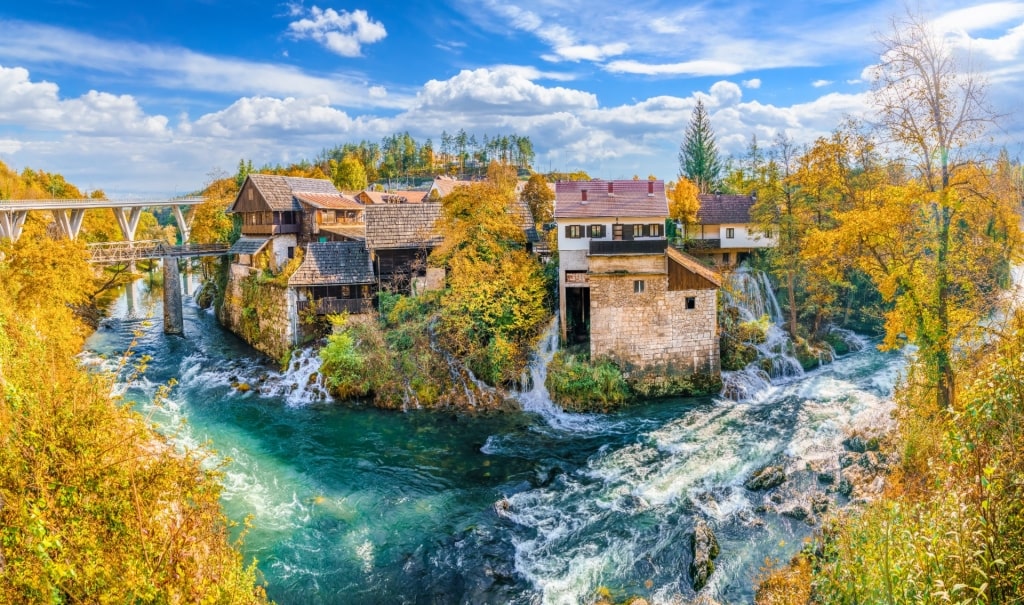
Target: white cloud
column 178, row 69
column 9, row 146
column 265, row 116
column 753, row 83
column 564, row 43
column 821, row 83
column 504, row 89
column 36, row 105
column 343, row 33
column 684, row 68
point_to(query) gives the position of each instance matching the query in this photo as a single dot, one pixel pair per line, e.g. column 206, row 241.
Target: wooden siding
column 250, row 199
column 681, row 278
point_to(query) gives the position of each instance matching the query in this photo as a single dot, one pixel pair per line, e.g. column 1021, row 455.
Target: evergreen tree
column 698, row 154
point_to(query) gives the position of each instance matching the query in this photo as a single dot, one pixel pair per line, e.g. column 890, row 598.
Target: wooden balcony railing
column 330, row 306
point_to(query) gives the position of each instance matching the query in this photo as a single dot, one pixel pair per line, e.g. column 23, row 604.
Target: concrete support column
column 174, row 323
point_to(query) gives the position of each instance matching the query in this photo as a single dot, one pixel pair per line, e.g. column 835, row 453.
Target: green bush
column 579, row 384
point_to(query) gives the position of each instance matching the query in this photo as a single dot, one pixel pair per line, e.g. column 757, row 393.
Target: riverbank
column 379, row 505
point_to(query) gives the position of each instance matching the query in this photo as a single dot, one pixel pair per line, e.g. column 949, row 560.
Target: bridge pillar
column 173, row 321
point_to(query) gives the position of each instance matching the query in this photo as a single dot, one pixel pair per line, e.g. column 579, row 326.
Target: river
column 354, row 505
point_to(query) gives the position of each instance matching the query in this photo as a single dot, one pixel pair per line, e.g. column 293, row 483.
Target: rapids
column 353, row 505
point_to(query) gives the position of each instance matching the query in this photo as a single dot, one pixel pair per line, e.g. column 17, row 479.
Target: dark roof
column 330, row 201
column 332, row 263
column 248, row 245
column 279, row 191
column 628, row 198
column 521, row 210
column 716, row 209
column 694, row 266
column 402, row 225
column 352, row 231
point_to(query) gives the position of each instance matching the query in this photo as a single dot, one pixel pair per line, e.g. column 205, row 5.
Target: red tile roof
column 626, row 198
column 716, row 209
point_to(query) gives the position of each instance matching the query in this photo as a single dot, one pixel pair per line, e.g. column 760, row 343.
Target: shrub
column 578, row 384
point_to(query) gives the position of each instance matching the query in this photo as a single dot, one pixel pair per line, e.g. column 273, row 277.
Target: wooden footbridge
column 68, row 215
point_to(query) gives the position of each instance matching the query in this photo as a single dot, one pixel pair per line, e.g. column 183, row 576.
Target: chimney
column 611, row 188
column 583, row 197
column 650, row 188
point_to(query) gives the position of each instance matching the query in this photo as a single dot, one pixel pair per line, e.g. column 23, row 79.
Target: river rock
column 765, row 478
column 855, row 443
column 705, row 550
column 800, row 512
column 819, row 503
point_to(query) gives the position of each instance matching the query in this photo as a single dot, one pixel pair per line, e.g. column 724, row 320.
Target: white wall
column 583, row 243
column 280, row 245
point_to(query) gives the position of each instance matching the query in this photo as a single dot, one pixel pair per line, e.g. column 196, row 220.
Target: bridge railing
column 118, row 252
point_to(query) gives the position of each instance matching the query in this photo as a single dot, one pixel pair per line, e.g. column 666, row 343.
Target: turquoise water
column 354, row 505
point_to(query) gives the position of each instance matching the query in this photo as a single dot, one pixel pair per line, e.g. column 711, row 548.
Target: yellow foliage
column 683, row 203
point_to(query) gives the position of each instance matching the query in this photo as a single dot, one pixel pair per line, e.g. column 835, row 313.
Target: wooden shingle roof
column 716, row 209
column 694, row 266
column 334, row 263
column 279, row 191
column 329, row 201
column 248, row 245
column 626, row 198
column 402, row 225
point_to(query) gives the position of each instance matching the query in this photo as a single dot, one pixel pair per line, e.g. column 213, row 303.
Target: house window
column 617, row 231
column 691, row 302
column 768, row 233
column 730, row 233
column 638, row 231
column 638, row 286
column 291, row 251
column 597, row 230
column 726, row 258
column 656, row 230
column 574, row 231
column 250, row 195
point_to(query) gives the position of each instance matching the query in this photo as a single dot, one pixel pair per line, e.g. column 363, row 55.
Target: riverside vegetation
column 94, row 505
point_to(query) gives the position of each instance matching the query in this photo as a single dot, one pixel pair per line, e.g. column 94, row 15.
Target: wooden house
column 399, row 238
column 285, row 211
column 334, row 277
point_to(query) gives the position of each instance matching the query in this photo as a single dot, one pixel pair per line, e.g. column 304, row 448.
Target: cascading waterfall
column 299, row 384
column 751, row 294
column 534, row 396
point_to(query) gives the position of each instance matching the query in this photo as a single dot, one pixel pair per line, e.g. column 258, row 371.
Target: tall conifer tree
column 698, row 154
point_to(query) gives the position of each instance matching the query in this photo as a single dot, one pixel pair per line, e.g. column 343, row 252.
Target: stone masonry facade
column 653, row 328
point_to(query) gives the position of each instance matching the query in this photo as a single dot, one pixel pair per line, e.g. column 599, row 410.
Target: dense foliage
column 493, row 308
column 94, row 505
column 578, row 384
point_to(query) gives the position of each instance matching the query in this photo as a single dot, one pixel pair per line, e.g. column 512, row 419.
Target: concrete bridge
column 68, row 215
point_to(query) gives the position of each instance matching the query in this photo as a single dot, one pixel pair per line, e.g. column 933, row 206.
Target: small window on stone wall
column 691, row 302
column 638, row 286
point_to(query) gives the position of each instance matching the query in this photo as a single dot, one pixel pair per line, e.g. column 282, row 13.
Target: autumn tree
column 928, row 233
column 493, row 307
column 541, row 198
column 349, row 174
column 698, row 154
column 683, row 201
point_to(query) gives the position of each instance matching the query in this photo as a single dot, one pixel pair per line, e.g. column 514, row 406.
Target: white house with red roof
column 725, row 231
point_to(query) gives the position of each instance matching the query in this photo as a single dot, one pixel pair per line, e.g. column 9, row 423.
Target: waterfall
column 534, row 396
column 301, row 383
column 751, row 294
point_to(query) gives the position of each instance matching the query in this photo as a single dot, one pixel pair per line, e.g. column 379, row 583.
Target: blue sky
column 154, row 98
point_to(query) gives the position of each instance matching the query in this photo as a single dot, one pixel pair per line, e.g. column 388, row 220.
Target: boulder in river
column 765, row 478
column 705, row 550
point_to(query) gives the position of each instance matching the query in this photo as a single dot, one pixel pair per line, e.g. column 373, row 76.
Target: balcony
column 331, row 306
column 637, row 246
column 269, row 229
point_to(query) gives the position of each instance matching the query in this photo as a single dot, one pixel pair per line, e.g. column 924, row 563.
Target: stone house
column 622, row 288
column 724, row 232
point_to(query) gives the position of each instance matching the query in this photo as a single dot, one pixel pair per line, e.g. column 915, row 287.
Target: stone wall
column 653, row 329
column 260, row 313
